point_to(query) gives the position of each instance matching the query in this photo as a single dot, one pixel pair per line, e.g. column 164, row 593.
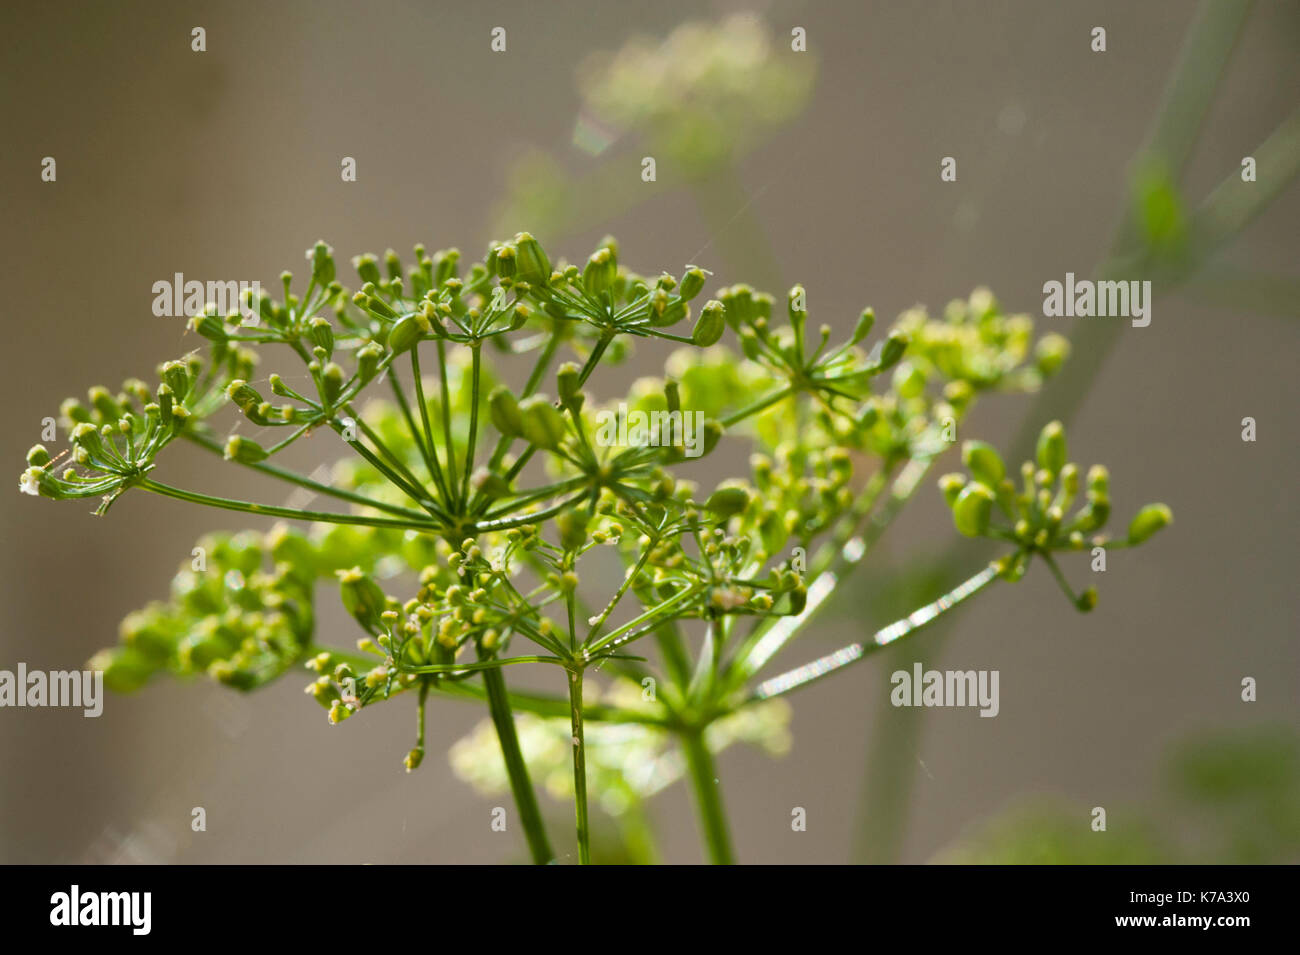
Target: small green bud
column 572, row 525
column 893, row 349
column 909, row 380
column 489, row 483
column 1051, row 352
column 863, row 328
column 368, row 356
column 1098, row 480
column 321, row 257
column 1051, row 448
column 176, row 375
column 37, row 456
column 983, row 462
column 600, row 272
column 362, row 598
column 727, row 501
column 408, row 331
column 243, row 450
column 541, row 422
column 245, row 397
column 567, row 384
column 710, row 325
column 950, row 485
column 367, row 267
column 692, row 283
column 332, row 379
column 504, row 412
column 534, row 266
column 125, row 669
column 322, row 334
column 507, row 262
column 1150, row 519
column 972, row 509
column 1087, row 600
column 210, row 327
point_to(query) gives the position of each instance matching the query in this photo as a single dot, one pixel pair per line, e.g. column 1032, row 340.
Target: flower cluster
column 471, row 525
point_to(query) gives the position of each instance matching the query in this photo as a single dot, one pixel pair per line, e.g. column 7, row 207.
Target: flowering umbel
column 470, row 525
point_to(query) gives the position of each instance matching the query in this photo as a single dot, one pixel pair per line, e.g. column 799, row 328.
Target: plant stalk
column 530, row 816
column 708, row 798
column 579, row 767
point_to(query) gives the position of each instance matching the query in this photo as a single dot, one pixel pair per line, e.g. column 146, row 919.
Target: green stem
column 823, row 667
column 708, row 798
column 530, row 816
column 272, row 510
column 579, row 767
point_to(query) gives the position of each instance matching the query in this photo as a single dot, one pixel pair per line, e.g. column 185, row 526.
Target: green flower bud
column 909, row 380
column 727, row 501
column 407, row 331
column 950, row 485
column 125, row 669
column 796, row 309
column 692, row 283
column 332, row 379
column 368, row 356
column 321, row 257
column 1051, row 448
column 893, row 349
column 572, row 525
column 507, row 262
column 710, row 325
column 244, row 396
column 367, row 267
column 600, row 272
column 534, row 267
column 972, row 509
column 1051, row 352
column 37, row 456
column 1150, row 519
column 210, row 327
column 863, row 328
column 1093, row 515
column 504, row 412
column 243, row 450
column 393, row 265
column 362, row 598
column 1087, row 600
column 541, row 422
column 567, row 384
column 1098, row 480
column 489, row 483
column 983, row 462
column 322, row 334
column 673, row 311
column 739, row 304
column 176, row 375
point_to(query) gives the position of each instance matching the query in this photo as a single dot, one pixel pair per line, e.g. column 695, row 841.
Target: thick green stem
column 530, row 816
column 708, row 798
column 579, row 768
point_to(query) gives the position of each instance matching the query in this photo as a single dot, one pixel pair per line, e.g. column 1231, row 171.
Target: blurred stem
column 891, row 755
column 638, row 836
column 1209, row 44
column 579, row 767
column 708, row 797
column 530, row 815
column 727, row 210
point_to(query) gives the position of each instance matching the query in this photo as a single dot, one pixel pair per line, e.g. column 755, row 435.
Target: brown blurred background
column 225, row 165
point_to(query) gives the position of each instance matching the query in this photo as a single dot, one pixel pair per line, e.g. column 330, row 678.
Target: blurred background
column 772, row 167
